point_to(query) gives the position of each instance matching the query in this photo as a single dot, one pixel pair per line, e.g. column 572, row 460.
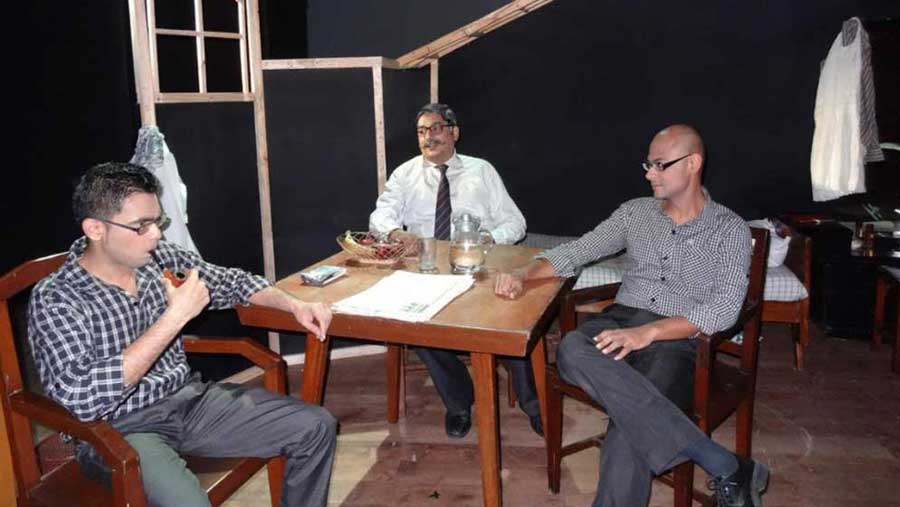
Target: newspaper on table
column 412, row 297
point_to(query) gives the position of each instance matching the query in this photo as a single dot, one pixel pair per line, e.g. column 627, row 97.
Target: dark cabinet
column 843, row 281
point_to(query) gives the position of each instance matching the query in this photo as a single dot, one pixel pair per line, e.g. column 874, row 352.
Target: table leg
column 880, row 296
column 539, row 367
column 896, row 366
column 394, row 374
column 485, row 369
column 314, row 368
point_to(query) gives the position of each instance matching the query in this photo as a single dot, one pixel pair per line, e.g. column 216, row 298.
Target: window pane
column 220, row 15
column 223, row 65
column 177, row 58
column 176, row 14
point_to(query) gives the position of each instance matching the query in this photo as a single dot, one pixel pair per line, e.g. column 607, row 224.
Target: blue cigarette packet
column 322, row 275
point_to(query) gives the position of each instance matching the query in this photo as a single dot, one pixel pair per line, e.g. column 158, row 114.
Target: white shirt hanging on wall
column 153, row 153
column 838, row 154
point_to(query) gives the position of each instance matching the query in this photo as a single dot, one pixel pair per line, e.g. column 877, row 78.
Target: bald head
column 682, row 138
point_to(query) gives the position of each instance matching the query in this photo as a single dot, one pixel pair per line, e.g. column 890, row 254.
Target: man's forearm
column 535, row 270
column 274, row 297
column 314, row 317
column 671, row 328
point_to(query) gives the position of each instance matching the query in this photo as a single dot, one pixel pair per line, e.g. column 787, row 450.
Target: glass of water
column 427, row 255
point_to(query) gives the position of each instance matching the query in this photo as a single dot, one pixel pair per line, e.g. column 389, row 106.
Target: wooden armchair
column 721, row 387
column 66, row 485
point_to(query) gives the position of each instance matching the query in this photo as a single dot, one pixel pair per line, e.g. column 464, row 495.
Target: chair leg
column 683, row 476
column 880, row 296
column 799, row 345
column 553, row 430
column 276, row 476
column 744, row 428
column 896, row 366
column 510, row 392
column 396, row 377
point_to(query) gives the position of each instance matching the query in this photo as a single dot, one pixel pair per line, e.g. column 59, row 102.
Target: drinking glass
column 427, row 255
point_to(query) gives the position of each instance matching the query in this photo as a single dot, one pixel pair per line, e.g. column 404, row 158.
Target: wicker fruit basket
column 368, row 248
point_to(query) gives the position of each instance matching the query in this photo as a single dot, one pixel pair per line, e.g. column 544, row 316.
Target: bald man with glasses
column 689, row 258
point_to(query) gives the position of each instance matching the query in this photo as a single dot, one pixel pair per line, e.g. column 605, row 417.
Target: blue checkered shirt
column 697, row 270
column 78, row 327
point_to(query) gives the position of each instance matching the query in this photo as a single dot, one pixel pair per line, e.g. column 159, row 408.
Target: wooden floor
column 830, row 434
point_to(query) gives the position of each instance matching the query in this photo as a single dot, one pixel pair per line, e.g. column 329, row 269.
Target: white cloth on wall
column 152, row 152
column 837, row 160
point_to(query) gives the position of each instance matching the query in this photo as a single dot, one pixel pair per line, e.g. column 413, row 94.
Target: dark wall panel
column 215, row 147
column 385, row 28
column 405, row 92
column 321, row 136
column 74, row 107
column 565, row 100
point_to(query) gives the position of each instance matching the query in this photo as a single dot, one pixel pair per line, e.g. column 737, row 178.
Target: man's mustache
column 431, row 143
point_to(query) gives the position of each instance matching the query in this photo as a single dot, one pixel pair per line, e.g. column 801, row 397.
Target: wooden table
column 478, row 322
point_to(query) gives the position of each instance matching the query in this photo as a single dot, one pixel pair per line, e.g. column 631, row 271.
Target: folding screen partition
column 294, row 152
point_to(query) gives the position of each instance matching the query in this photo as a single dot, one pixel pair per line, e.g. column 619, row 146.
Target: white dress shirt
column 838, row 154
column 410, row 196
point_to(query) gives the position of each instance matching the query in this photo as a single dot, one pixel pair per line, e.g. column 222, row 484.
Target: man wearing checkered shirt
column 105, row 333
column 687, row 273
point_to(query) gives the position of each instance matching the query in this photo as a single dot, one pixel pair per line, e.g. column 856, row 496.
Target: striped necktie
column 442, row 209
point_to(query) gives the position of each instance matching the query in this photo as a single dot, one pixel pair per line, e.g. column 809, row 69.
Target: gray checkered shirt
column 697, row 270
column 78, row 327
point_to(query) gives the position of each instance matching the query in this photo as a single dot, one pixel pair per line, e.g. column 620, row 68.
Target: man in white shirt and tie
column 420, row 196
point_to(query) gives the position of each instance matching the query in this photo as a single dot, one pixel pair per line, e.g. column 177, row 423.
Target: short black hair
column 440, row 109
column 104, row 187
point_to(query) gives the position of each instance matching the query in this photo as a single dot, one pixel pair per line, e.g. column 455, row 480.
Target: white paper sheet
column 411, row 297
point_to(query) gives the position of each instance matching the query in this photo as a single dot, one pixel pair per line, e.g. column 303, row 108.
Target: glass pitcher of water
column 469, row 244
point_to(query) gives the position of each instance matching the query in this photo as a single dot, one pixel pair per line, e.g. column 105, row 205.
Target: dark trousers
column 223, row 421
column 645, row 395
column 454, row 384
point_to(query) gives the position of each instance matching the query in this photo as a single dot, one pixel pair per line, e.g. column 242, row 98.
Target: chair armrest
column 721, row 341
column 708, row 345
column 574, row 298
column 110, row 444
column 273, row 366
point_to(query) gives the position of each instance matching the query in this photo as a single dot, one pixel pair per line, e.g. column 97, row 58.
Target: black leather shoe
column 458, row 425
column 744, row 487
column 536, row 424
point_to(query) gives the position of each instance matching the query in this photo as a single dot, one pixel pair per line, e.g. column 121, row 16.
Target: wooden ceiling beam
column 462, row 36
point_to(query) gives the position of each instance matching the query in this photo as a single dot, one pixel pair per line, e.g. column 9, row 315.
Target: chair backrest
column 758, row 256
column 748, row 349
column 799, row 257
column 14, row 286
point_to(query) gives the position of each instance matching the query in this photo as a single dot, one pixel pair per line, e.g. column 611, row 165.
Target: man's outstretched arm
column 512, row 285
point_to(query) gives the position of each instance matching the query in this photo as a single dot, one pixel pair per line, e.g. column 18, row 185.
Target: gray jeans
column 224, row 421
column 644, row 394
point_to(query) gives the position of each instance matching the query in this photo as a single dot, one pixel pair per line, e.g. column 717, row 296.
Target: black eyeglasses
column 436, row 129
column 662, row 166
column 161, row 223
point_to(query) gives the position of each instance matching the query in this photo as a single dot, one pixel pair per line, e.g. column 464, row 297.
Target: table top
column 477, row 321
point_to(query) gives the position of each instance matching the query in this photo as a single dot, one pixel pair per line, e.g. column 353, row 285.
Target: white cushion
column 778, row 246
column 781, row 283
